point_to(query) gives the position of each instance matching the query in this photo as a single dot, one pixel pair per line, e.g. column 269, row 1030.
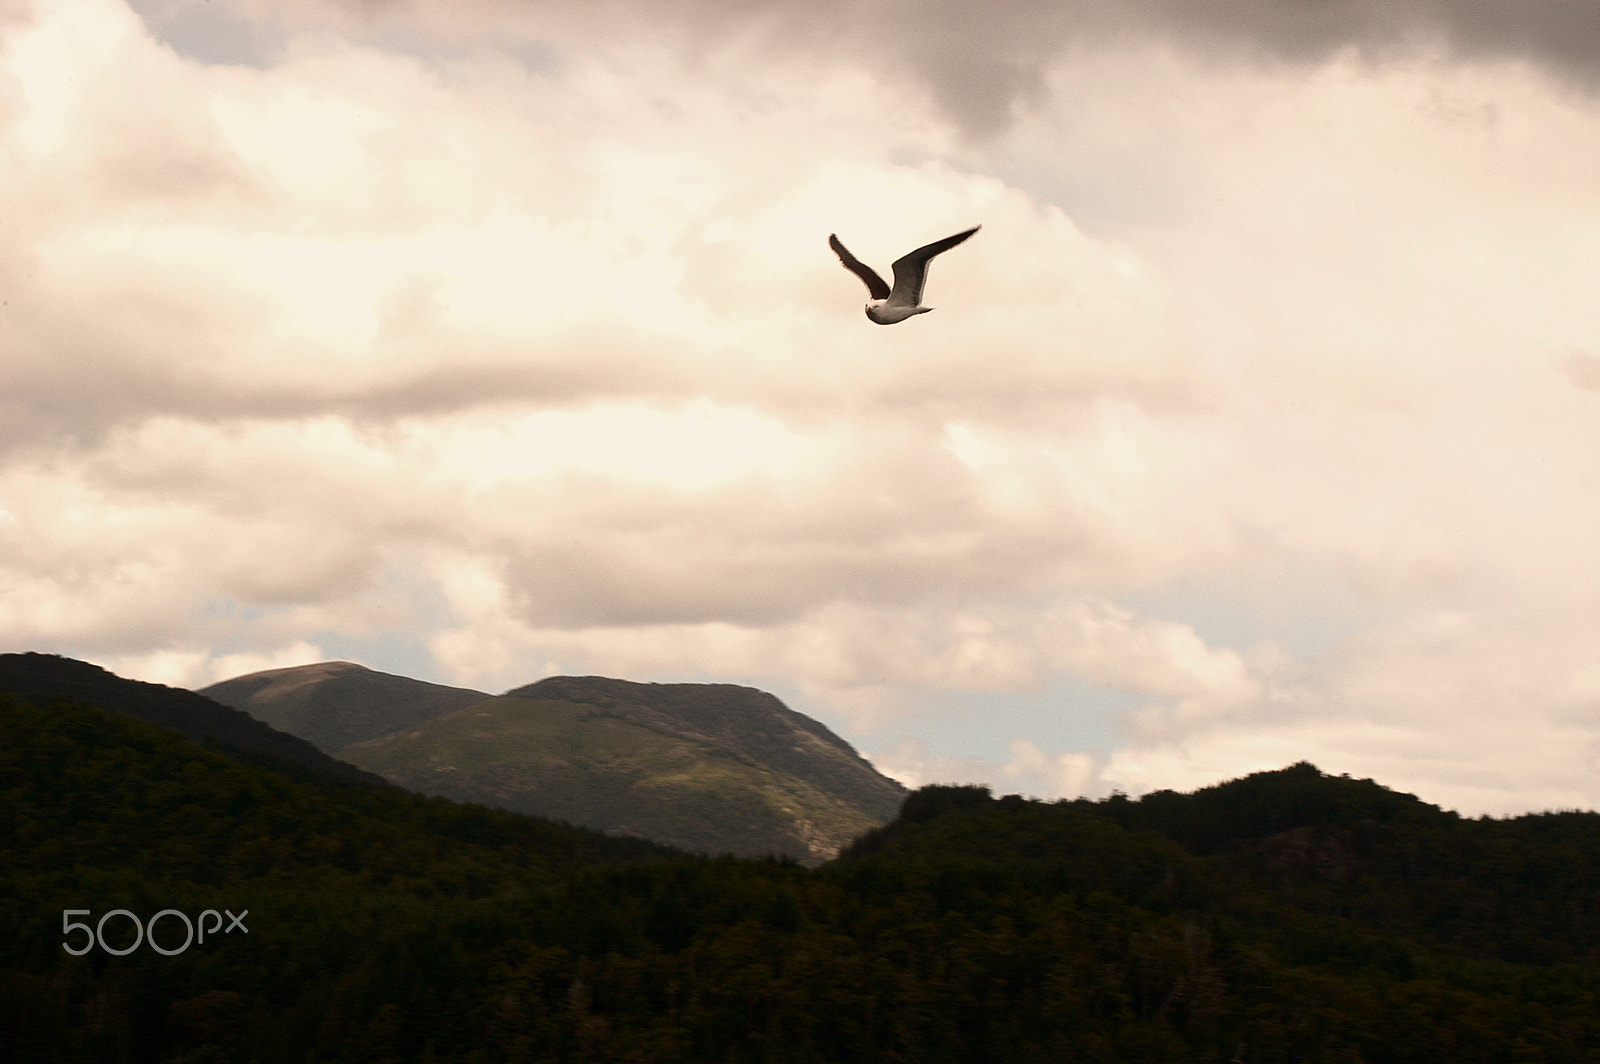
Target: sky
column 483, row 340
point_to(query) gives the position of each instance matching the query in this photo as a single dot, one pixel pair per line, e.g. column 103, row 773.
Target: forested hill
column 43, row 678
column 360, row 896
column 1289, row 916
column 1292, row 849
column 1522, row 889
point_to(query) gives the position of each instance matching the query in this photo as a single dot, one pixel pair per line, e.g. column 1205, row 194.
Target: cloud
column 1437, row 704
column 214, row 32
column 485, row 342
column 1029, row 771
column 982, row 64
column 194, row 669
column 1581, row 368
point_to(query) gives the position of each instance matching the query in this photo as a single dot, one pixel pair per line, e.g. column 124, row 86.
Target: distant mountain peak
column 297, row 676
column 721, row 710
column 333, row 704
column 716, row 767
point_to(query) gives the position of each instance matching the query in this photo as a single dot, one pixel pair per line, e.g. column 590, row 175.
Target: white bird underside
column 891, row 305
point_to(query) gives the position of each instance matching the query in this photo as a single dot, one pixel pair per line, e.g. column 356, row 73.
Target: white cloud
column 1029, row 772
column 200, row 667
column 911, row 763
column 520, row 343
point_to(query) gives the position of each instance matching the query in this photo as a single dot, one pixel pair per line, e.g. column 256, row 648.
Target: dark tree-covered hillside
column 1289, row 916
column 44, row 677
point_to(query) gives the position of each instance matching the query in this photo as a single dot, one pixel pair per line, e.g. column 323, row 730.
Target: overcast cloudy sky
column 477, row 341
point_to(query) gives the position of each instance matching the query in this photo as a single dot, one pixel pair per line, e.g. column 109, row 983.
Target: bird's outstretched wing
column 911, row 270
column 875, row 284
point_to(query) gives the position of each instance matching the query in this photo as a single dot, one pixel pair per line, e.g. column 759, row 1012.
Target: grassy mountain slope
column 335, row 703
column 714, row 768
column 758, row 728
column 626, row 769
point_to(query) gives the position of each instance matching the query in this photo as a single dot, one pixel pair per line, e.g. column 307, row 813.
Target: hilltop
column 44, row 678
column 711, row 768
column 335, row 703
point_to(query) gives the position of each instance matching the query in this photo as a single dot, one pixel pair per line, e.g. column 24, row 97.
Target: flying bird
column 891, row 305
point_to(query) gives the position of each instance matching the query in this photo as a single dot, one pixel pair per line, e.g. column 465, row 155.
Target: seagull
column 888, row 305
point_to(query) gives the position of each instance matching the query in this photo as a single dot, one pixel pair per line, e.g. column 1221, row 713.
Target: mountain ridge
column 712, row 768
column 369, row 703
column 678, row 708
column 43, row 678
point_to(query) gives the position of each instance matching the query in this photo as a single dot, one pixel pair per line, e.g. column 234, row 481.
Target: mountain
column 334, row 877
column 755, row 724
column 336, row 703
column 713, row 768
column 43, row 678
column 1346, row 872
column 92, row 775
column 1287, row 916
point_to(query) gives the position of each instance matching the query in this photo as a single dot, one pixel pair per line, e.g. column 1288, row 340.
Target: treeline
column 1289, row 916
